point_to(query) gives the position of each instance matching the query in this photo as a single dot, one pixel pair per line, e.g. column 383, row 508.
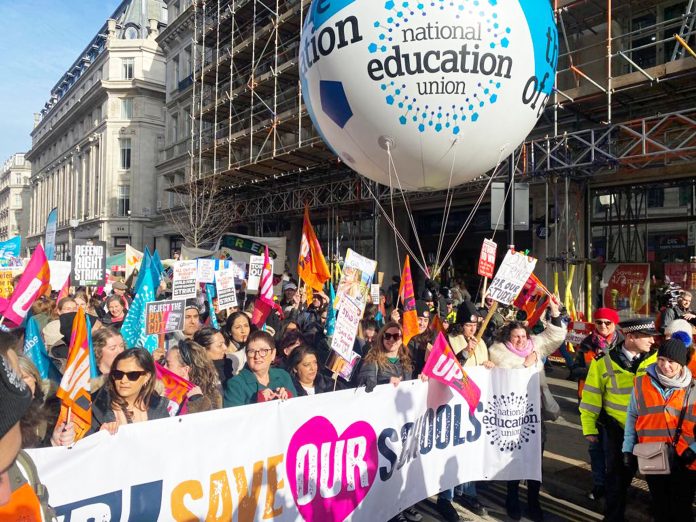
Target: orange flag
column 311, row 266
column 409, row 316
column 533, row 300
column 74, row 390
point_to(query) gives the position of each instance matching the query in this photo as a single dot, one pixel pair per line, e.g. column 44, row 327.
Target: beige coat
column 480, row 355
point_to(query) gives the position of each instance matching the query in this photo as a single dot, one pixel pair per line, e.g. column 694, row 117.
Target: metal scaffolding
column 624, row 99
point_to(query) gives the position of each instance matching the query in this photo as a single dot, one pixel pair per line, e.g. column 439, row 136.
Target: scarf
column 524, row 352
column 680, row 381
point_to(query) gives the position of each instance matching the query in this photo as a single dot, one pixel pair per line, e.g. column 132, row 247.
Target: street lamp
column 130, row 242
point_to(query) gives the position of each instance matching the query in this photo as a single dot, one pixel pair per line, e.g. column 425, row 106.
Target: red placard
column 486, row 266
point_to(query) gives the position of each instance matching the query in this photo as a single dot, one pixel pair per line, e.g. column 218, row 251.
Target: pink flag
column 35, row 281
column 264, row 302
column 175, row 389
column 442, row 365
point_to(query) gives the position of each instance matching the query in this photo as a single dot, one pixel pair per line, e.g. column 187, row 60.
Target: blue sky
column 39, row 40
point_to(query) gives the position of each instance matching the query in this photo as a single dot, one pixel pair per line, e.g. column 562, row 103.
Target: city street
column 566, row 468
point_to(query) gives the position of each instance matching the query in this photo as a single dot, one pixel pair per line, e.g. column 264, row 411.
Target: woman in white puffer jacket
column 515, row 349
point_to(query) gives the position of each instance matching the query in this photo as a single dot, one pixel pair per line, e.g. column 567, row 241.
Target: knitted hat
column 676, row 350
column 422, row 308
column 467, row 313
column 607, row 314
column 683, row 337
column 15, row 397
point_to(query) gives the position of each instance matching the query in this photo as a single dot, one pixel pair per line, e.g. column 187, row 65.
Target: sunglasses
column 389, row 336
column 118, row 375
column 603, row 323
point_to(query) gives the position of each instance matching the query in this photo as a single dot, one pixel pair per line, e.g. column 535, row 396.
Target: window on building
column 175, row 72
column 128, row 68
column 123, row 200
column 17, row 200
column 174, row 131
column 187, row 121
column 125, row 153
column 126, row 108
column 18, row 179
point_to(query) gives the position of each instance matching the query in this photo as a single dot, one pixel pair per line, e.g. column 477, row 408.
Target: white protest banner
column 511, row 277
column 60, row 271
column 88, row 263
column 486, row 265
column 255, row 269
column 224, row 286
column 356, row 278
column 206, row 270
column 398, row 445
column 184, row 279
column 346, row 327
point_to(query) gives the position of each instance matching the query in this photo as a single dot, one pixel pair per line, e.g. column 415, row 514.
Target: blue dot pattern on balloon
column 334, row 102
column 446, row 117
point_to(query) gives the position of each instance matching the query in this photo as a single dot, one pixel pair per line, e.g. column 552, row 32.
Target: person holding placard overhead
column 517, row 348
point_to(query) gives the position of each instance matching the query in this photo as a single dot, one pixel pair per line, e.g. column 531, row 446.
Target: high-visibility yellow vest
column 608, row 387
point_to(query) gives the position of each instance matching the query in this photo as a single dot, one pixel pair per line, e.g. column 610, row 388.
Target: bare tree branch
column 201, row 214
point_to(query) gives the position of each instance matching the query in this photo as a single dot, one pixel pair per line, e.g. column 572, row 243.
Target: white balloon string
column 409, row 213
column 470, row 218
column 449, row 198
column 393, row 215
column 396, row 231
column 502, row 207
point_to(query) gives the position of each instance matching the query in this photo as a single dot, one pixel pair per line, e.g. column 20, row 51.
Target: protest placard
column 6, row 275
column 165, row 316
column 578, row 330
column 346, row 327
column 486, row 266
column 88, row 263
column 226, row 291
column 374, row 293
column 184, row 279
column 60, row 272
column 358, row 272
column 255, row 269
column 347, row 371
column 206, row 270
column 511, row 277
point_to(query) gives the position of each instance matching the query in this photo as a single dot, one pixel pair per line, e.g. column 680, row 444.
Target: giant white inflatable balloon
column 443, row 84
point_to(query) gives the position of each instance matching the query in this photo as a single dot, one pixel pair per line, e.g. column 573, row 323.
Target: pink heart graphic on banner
column 330, row 475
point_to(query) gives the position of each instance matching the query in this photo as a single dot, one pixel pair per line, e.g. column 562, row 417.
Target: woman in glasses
column 189, row 361
column 387, row 361
column 604, row 338
column 258, row 381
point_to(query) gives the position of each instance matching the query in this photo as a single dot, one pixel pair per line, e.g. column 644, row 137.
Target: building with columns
column 14, row 197
column 96, row 141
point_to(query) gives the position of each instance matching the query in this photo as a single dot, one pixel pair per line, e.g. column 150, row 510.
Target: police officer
column 605, row 400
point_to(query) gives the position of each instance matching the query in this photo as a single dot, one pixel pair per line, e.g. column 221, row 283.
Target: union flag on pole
column 442, row 365
column 409, row 316
column 264, row 301
column 35, row 281
column 311, row 266
column 74, row 390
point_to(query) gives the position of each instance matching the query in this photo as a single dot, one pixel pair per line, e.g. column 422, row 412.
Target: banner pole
column 487, row 320
column 485, row 289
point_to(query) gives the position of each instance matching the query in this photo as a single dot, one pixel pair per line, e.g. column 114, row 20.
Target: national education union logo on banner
column 510, row 421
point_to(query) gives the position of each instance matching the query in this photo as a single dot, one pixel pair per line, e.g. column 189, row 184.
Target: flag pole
column 485, row 289
column 487, row 320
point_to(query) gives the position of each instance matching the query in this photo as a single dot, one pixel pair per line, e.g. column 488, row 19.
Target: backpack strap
column 28, row 469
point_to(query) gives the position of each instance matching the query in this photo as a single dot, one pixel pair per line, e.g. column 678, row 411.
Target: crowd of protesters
column 625, row 371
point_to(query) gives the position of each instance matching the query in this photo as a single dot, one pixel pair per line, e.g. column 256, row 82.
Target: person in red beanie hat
column 604, row 338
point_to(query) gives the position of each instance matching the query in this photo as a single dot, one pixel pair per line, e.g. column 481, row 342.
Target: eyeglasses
column 263, row 352
column 389, row 336
column 599, row 322
column 118, row 375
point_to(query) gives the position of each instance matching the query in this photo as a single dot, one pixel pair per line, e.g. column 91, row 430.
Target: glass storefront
column 652, row 224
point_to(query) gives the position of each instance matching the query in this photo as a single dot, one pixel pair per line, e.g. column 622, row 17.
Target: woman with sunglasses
column 604, row 338
column 387, row 361
column 128, row 396
column 189, row 361
column 258, row 381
